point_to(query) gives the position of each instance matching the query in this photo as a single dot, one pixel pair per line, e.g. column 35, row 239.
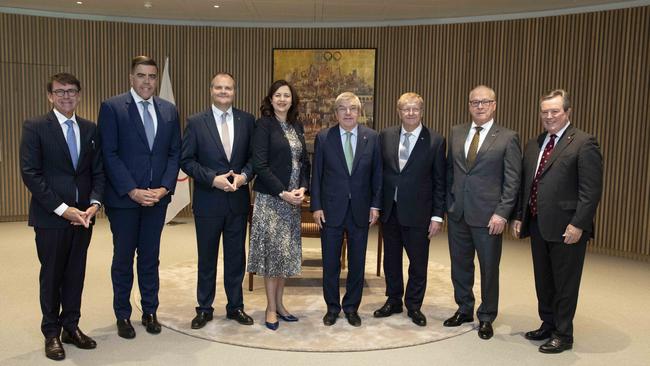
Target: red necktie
column 542, row 163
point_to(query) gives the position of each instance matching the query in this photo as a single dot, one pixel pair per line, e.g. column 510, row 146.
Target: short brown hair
column 142, row 60
column 223, row 73
column 566, row 100
column 63, row 78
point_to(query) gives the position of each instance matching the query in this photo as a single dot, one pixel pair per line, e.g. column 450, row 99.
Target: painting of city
column 319, row 75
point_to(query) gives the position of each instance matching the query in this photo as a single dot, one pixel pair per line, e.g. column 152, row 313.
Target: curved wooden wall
column 602, row 58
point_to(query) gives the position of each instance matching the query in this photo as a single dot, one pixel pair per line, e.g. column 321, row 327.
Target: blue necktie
column 71, row 139
column 148, row 124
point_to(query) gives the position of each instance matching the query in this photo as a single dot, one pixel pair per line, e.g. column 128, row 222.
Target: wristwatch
column 99, row 205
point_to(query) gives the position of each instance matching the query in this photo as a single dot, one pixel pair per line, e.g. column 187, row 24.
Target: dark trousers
column 208, row 233
column 464, row 241
column 415, row 241
column 331, row 244
column 135, row 230
column 62, row 253
column 558, row 270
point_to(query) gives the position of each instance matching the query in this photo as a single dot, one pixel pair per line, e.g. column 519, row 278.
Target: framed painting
column 320, row 75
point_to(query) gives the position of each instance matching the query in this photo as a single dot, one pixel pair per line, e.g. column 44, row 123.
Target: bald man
column 483, row 176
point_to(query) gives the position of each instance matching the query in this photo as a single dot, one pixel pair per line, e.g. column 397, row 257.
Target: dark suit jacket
column 272, row 157
column 128, row 161
column 421, row 184
column 203, row 158
column 569, row 188
column 333, row 188
column 46, row 168
column 491, row 185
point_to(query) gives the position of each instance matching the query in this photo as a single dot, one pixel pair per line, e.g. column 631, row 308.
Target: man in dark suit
column 484, row 167
column 141, row 144
column 562, row 186
column 61, row 165
column 345, row 197
column 414, row 168
column 217, row 156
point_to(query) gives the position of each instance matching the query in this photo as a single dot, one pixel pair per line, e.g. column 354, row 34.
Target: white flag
column 181, row 197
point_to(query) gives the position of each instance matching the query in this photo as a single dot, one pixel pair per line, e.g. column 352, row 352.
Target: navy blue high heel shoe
column 272, row 326
column 288, row 317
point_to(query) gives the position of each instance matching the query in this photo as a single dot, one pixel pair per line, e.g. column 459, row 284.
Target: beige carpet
column 303, row 297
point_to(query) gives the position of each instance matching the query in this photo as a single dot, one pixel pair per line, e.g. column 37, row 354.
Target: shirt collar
column 61, row 118
column 354, row 130
column 486, row 126
column 560, row 132
column 415, row 133
column 137, row 98
column 218, row 112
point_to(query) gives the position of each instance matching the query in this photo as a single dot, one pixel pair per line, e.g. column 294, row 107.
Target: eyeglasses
column 63, row 92
column 478, row 103
column 411, row 110
column 352, row 110
column 551, row 112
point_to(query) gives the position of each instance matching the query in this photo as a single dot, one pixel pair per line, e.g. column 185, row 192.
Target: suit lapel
column 491, row 137
column 459, row 142
column 84, row 140
column 392, row 144
column 237, row 127
column 334, row 136
column 57, row 132
column 421, row 143
column 211, row 126
column 134, row 116
column 565, row 141
column 362, row 142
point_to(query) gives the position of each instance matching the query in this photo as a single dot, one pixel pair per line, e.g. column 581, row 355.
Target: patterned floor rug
column 303, row 297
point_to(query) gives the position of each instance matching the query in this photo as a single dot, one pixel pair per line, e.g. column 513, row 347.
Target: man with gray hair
column 484, row 167
column 345, row 197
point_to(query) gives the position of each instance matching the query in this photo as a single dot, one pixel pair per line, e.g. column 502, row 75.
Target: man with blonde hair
column 413, row 204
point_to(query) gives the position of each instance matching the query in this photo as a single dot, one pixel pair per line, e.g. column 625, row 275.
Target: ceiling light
column 216, row 6
column 148, row 5
column 80, row 2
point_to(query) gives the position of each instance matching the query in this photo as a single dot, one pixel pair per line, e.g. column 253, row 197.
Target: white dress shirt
column 62, row 119
column 353, row 138
column 482, row 135
column 152, row 110
column 230, row 121
column 546, row 140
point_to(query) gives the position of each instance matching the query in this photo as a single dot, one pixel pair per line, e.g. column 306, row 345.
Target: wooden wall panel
column 602, row 58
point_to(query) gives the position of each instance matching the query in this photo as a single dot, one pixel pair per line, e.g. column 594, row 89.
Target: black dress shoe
column 538, row 334
column 353, row 318
column 151, row 322
column 417, row 317
column 458, row 319
column 54, row 349
column 555, row 345
column 125, row 329
column 330, row 318
column 485, row 330
column 78, row 338
column 387, row 310
column 201, row 319
column 240, row 316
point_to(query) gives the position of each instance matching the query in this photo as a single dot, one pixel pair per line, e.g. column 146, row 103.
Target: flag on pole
column 181, row 197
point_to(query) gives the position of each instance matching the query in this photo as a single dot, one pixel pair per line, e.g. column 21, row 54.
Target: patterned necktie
column 225, row 135
column 473, row 147
column 347, row 150
column 147, row 120
column 404, row 148
column 542, row 163
column 71, row 139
